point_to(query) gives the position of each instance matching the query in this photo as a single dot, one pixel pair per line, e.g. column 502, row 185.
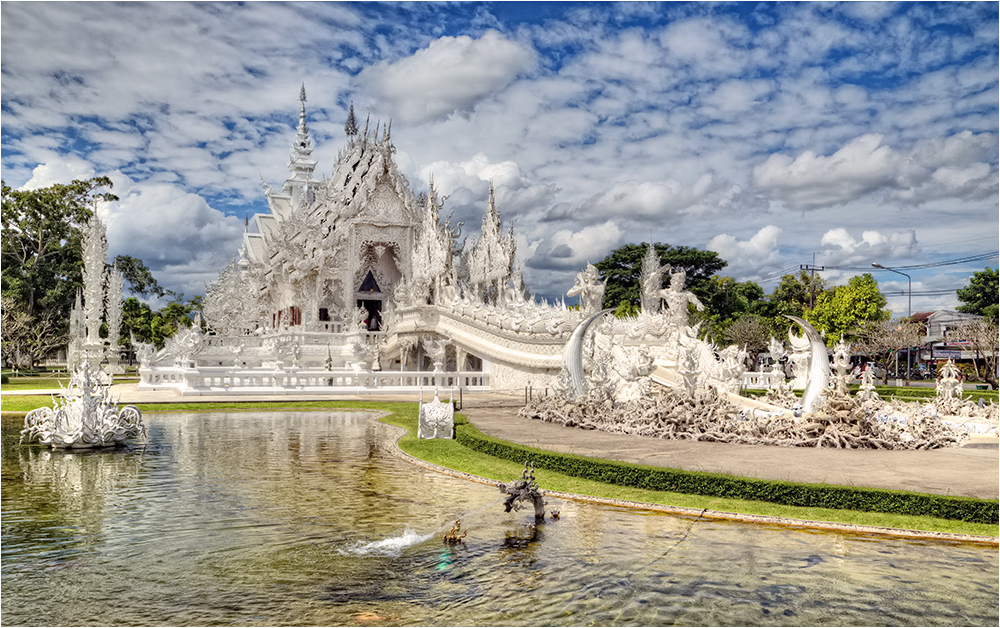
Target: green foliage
column 140, row 321
column 981, row 295
column 792, row 296
column 622, row 269
column 726, row 301
column 718, row 485
column 41, row 245
column 844, row 310
column 627, row 309
column 140, row 280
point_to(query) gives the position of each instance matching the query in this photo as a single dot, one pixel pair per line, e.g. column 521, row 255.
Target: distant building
column 940, row 341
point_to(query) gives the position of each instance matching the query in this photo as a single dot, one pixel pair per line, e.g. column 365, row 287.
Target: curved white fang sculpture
column 818, row 377
column 573, row 355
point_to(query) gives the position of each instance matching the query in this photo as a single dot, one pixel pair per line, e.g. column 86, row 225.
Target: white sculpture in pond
column 436, row 419
column 87, row 418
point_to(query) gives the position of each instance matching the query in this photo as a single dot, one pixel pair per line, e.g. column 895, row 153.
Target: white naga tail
column 818, row 374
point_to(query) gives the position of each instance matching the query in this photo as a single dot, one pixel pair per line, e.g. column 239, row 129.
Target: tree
column 981, row 295
column 140, row 279
column 726, row 301
column 883, row 340
column 844, row 310
column 622, row 269
column 24, row 341
column 41, row 255
column 41, row 259
column 984, row 338
column 792, row 294
column 750, row 332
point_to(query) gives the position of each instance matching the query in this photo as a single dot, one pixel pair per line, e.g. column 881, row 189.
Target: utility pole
column 812, row 268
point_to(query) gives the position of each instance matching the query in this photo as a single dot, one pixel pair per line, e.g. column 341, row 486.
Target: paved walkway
column 972, row 470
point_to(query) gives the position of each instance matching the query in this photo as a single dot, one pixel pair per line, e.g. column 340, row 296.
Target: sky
column 776, row 134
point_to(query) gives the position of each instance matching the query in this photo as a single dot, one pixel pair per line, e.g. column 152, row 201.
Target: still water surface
column 305, row 519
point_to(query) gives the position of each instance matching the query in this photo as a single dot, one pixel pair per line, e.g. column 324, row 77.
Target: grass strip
column 453, row 455
column 729, row 486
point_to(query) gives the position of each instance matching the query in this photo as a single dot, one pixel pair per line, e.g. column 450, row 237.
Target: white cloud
column 756, row 256
column 936, row 168
column 638, row 201
column 451, row 74
column 709, row 46
column 567, row 249
column 449, row 176
column 60, row 170
column 840, row 247
column 811, row 181
column 182, row 240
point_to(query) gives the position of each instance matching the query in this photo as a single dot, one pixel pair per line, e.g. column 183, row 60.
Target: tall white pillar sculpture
column 95, row 258
column 116, row 288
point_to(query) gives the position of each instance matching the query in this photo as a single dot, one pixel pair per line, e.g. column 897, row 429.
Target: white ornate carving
column 95, row 258
column 590, row 288
column 116, row 287
column 651, row 280
column 436, row 419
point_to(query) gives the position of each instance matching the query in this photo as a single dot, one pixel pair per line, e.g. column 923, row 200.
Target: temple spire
column 303, row 143
column 351, row 128
column 300, row 164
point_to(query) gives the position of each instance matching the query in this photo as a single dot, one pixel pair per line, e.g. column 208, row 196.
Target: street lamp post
column 909, row 307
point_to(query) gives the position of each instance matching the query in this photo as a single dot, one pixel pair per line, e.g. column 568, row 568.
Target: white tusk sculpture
column 818, row 373
column 573, row 355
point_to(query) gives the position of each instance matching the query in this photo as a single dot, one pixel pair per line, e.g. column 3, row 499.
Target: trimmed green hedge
column 719, row 485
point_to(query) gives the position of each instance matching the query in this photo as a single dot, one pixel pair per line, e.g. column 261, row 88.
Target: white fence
column 222, row 381
column 756, row 379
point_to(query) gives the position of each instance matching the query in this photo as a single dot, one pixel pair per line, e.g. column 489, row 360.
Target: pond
column 307, row 519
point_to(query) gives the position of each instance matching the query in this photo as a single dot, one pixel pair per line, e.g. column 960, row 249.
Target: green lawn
column 449, row 453
column 48, row 381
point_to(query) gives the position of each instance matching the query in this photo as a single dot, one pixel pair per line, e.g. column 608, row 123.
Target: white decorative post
column 116, row 288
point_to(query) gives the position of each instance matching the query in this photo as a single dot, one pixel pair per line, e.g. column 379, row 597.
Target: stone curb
column 392, row 445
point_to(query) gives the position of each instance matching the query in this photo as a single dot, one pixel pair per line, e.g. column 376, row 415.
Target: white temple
column 352, row 283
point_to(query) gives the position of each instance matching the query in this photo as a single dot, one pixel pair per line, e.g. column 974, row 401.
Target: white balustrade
column 223, row 380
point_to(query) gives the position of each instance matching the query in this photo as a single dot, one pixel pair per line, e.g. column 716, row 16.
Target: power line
column 963, row 260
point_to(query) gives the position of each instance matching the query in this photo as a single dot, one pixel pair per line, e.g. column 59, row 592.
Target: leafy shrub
column 719, row 485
